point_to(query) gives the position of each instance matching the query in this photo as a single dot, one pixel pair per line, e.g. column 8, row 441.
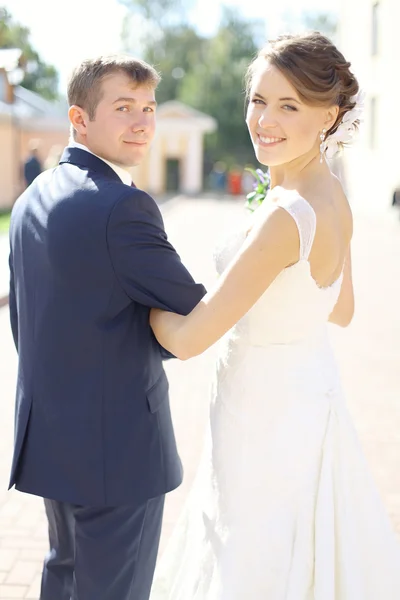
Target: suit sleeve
column 13, row 304
column 146, row 264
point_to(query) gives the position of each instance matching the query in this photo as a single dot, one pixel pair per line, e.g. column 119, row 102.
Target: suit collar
column 122, row 173
column 88, row 160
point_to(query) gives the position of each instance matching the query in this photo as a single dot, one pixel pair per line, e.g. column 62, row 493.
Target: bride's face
column 281, row 126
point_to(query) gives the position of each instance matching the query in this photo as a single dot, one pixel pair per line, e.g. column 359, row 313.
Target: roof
column 179, row 113
column 34, row 111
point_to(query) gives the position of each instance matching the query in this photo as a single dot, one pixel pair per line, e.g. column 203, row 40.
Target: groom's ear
column 78, row 119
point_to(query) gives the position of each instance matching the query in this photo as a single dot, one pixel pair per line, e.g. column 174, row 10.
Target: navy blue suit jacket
column 89, row 258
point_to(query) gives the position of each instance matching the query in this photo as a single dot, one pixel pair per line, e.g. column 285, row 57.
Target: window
column 375, row 28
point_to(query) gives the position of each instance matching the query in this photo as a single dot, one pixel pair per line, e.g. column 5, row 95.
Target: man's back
column 89, row 259
column 91, row 381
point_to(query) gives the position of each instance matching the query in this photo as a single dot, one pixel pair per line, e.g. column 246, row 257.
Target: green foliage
column 4, row 221
column 177, row 56
column 206, row 73
column 160, row 12
column 324, row 22
column 39, row 76
column 215, row 85
column 262, row 183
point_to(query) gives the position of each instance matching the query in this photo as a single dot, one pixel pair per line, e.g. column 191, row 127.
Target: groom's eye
column 122, row 108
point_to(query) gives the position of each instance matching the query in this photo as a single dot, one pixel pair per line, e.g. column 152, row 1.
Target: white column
column 192, row 165
column 155, row 175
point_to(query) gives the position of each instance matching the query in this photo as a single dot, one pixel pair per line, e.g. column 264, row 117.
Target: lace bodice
column 294, row 307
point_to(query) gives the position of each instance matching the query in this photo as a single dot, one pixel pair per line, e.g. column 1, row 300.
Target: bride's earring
column 322, row 146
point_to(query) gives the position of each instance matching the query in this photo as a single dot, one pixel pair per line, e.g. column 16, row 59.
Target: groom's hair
column 84, row 86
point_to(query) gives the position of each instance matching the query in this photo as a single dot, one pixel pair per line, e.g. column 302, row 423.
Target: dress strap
column 304, row 216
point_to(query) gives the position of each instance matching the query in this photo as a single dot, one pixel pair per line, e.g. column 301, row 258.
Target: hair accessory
column 347, row 129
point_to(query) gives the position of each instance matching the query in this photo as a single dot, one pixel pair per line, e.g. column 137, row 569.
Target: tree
column 38, row 76
column 163, row 13
column 176, row 55
column 215, row 85
column 206, row 73
column 324, row 22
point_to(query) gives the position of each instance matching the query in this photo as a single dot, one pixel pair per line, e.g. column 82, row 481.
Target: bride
column 283, row 506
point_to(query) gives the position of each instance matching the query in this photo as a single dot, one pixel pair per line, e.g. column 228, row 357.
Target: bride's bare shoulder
column 280, row 194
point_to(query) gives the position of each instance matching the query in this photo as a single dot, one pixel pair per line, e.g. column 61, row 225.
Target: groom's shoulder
column 135, row 203
column 112, row 191
column 94, row 190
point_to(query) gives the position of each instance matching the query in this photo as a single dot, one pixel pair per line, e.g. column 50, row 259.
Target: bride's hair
column 314, row 66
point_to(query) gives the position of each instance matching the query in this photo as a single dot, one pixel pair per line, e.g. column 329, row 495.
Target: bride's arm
column 271, row 245
column 343, row 311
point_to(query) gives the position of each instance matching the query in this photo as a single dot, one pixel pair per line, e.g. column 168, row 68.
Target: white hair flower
column 347, row 129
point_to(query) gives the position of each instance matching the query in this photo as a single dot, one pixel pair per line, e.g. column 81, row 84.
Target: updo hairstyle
column 316, row 69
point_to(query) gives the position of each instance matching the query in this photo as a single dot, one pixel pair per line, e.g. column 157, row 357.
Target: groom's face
column 124, row 122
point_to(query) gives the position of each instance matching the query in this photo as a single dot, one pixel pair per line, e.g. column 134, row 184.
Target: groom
column 89, row 258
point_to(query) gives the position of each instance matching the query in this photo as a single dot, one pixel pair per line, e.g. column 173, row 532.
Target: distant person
column 218, row 176
column 32, row 165
column 235, row 180
column 396, row 197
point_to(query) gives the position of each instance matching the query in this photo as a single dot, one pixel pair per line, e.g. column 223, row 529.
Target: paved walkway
column 368, row 353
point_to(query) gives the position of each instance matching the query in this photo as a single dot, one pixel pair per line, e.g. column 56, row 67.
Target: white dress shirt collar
column 123, row 174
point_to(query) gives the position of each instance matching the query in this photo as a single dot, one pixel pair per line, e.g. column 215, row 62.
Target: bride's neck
column 289, row 175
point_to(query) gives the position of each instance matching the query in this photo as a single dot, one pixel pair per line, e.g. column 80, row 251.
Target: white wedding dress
column 283, row 506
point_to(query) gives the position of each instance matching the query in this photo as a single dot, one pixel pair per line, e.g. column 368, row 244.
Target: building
column 174, row 163
column 24, row 115
column 175, row 160
column 369, row 31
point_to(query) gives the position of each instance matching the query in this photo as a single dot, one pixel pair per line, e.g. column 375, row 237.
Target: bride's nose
column 267, row 119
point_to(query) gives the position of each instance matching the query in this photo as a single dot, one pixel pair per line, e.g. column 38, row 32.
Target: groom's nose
column 140, row 121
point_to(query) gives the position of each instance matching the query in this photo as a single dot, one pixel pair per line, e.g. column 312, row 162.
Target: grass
column 4, row 222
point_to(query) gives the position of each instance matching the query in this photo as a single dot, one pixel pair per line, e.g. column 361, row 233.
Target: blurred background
column 202, row 49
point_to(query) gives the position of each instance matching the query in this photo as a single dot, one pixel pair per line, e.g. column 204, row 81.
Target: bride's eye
column 289, row 107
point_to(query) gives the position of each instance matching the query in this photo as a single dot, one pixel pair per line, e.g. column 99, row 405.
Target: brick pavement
column 368, row 355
